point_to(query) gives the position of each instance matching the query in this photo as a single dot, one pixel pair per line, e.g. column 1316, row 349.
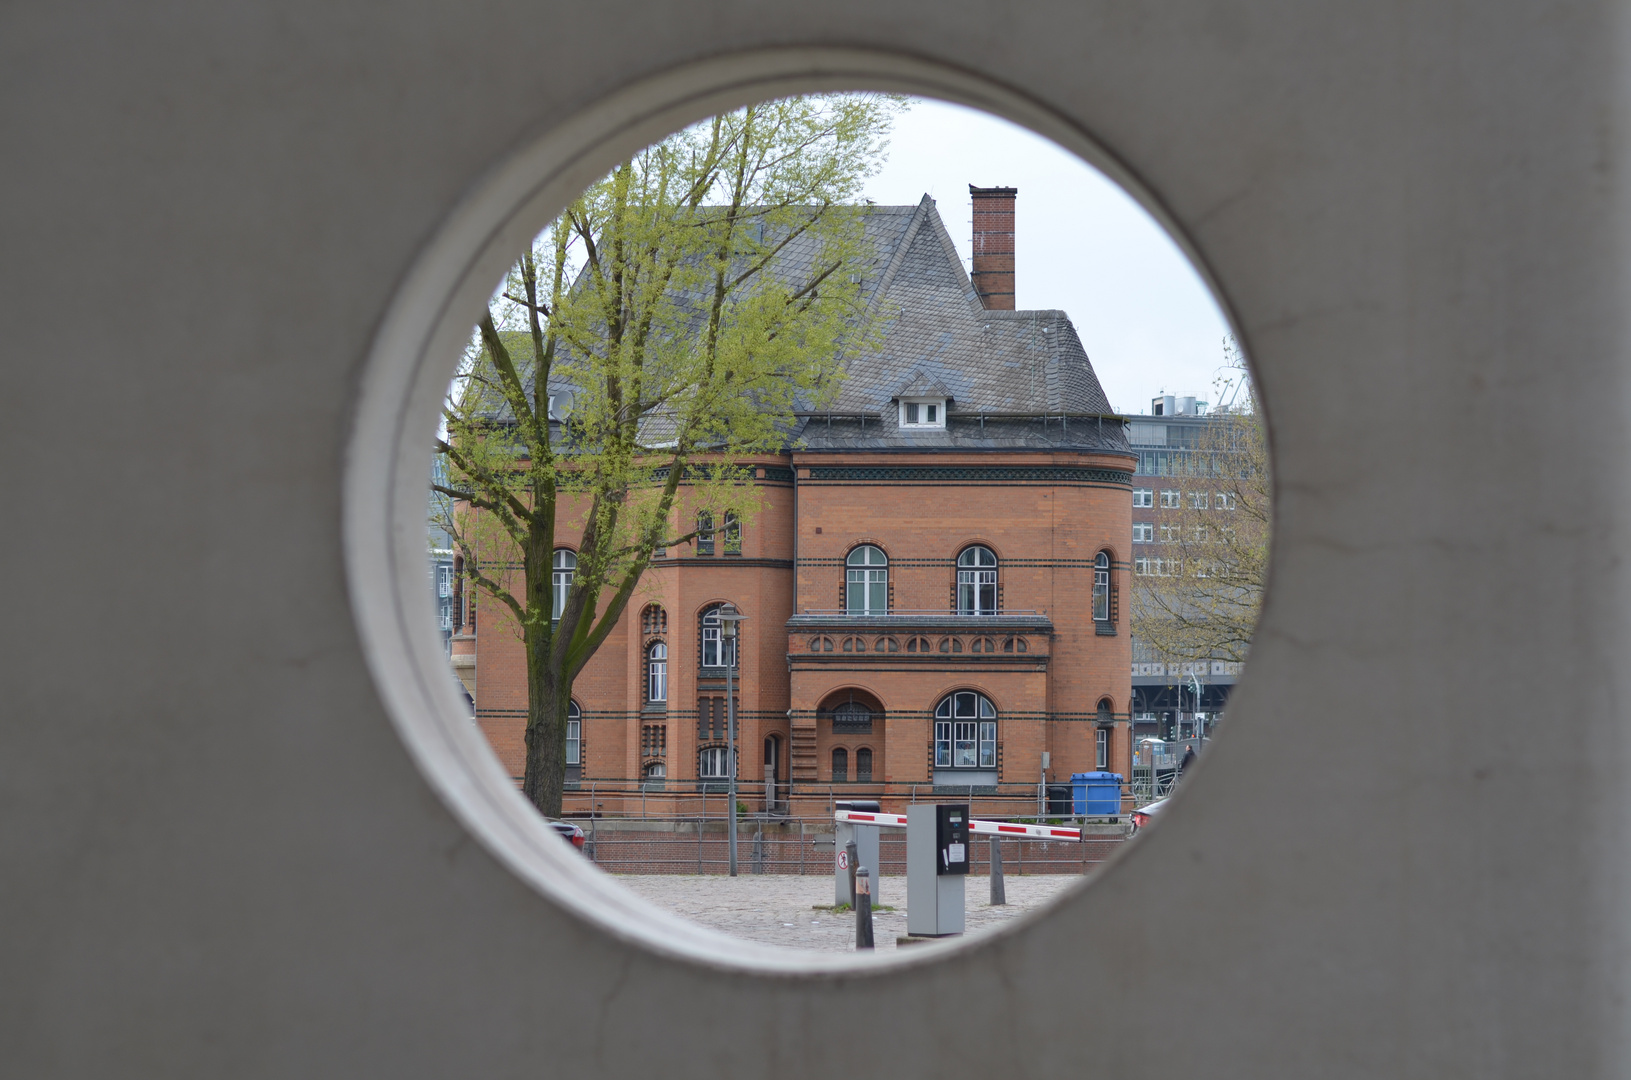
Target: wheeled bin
column 1095, row 794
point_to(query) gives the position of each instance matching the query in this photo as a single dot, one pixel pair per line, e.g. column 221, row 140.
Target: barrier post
column 863, row 908
column 998, row 894
column 850, row 850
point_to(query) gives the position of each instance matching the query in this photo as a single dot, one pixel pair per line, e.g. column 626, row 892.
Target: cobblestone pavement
column 781, row 909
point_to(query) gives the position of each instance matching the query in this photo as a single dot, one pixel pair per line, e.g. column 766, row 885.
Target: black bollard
column 849, row 850
column 863, row 909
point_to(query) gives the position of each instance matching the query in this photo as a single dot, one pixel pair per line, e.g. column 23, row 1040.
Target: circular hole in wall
column 808, row 388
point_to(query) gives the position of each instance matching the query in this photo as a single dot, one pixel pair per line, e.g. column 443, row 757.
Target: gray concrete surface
column 244, row 833
column 794, row 912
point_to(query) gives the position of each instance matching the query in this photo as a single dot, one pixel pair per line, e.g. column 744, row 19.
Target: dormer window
column 923, row 413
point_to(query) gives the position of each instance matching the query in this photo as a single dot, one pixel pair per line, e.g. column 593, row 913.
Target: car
column 572, row 834
column 1145, row 814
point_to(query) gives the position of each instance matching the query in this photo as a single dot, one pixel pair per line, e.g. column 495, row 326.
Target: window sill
column 1104, row 629
column 655, row 707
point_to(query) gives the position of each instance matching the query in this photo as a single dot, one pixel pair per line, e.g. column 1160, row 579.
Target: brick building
column 933, row 583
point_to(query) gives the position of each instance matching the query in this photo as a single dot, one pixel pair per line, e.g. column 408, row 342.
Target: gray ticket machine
column 937, row 858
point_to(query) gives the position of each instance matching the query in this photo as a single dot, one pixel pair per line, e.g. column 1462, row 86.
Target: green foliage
column 678, row 313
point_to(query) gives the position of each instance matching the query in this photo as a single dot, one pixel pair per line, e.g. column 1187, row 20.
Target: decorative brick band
column 971, row 475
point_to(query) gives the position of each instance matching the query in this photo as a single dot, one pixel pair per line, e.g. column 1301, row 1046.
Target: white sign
column 954, row 853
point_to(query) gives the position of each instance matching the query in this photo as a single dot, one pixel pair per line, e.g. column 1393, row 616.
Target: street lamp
column 728, row 618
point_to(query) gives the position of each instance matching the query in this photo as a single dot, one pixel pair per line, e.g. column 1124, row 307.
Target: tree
column 655, row 336
column 1198, row 596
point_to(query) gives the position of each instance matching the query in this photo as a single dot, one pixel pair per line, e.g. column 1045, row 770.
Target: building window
column 1101, row 587
column 1143, row 532
column 863, row 765
column 1101, row 749
column 1197, row 500
column 1170, row 500
column 733, row 535
column 653, row 620
column 574, row 734
column 1016, row 645
column 821, row 644
column 1143, row 497
column 713, row 648
column 917, row 645
column 1141, row 565
column 854, row 644
column 1226, row 500
column 840, row 765
column 657, row 673
column 705, row 533
column 711, row 765
column 977, row 582
column 866, row 582
column 951, row 645
column 888, row 644
column 852, row 716
column 982, row 645
column 566, row 567
column 923, row 413
column 654, row 740
column 657, row 770
column 965, row 732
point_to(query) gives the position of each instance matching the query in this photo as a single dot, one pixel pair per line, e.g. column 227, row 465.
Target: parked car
column 1144, row 814
column 572, row 834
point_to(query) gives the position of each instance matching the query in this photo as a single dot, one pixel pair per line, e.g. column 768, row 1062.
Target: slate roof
column 1015, row 379
column 937, row 339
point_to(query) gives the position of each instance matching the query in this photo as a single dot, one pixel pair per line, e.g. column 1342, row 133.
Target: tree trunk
column 548, row 697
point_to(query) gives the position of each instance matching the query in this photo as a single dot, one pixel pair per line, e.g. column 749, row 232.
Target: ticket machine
column 937, row 857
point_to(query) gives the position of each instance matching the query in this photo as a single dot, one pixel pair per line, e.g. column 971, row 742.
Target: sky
column 1082, row 245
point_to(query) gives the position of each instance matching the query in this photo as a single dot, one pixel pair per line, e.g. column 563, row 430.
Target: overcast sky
column 1082, row 245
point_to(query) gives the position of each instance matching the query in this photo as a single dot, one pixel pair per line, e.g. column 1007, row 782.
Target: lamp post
column 728, row 618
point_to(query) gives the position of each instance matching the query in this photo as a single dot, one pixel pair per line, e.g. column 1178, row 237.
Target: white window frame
column 657, row 673
column 1101, row 587
column 574, row 734
column 1141, row 566
column 867, row 581
column 713, row 642
column 565, row 568
column 712, row 757
column 923, row 413
column 1226, row 500
column 1171, row 500
column 977, row 581
column 965, row 731
column 1198, row 500
column 1101, row 749
column 1143, row 532
column 1143, row 497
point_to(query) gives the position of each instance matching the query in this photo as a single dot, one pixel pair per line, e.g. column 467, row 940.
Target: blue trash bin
column 1095, row 794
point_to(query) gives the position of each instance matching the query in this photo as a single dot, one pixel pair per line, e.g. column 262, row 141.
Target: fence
column 801, row 846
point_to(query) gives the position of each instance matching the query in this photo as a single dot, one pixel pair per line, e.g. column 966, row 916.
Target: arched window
column 866, row 581
column 917, row 644
column 840, row 765
column 1101, row 587
column 821, row 644
column 965, row 732
column 712, row 764
column 1101, row 734
column 566, row 565
column 657, row 770
column 977, row 582
column 888, row 644
column 705, row 533
column 653, row 620
column 713, row 647
column 657, row 673
column 951, row 645
column 982, row 644
column 574, row 740
column 863, row 765
column 1015, row 644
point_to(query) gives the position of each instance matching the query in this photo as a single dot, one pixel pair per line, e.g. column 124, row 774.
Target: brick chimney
column 994, row 246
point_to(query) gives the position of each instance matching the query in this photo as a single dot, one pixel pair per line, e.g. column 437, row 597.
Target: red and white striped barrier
column 979, row 828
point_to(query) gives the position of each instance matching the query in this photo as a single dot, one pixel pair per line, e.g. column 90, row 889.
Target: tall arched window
column 863, row 765
column 977, row 582
column 657, row 673
column 840, row 765
column 566, row 565
column 574, row 741
column 866, row 581
column 1101, row 587
column 713, row 647
column 965, row 732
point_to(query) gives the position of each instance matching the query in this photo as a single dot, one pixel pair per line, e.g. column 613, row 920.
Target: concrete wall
column 238, row 839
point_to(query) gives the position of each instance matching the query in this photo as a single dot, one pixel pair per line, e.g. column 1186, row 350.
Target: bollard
column 759, row 852
column 863, row 909
column 998, row 894
column 849, row 848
